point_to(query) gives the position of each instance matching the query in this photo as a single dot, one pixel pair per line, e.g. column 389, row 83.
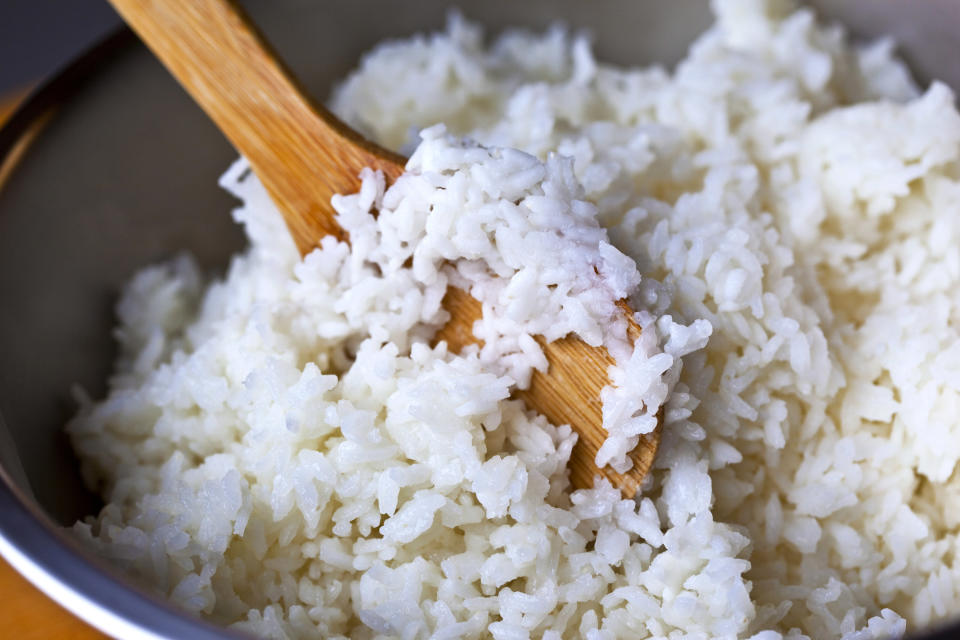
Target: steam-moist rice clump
column 282, row 451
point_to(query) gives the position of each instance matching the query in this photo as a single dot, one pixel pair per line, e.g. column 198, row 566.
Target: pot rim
column 39, row 549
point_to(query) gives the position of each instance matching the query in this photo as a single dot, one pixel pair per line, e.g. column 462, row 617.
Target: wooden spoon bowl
column 304, row 155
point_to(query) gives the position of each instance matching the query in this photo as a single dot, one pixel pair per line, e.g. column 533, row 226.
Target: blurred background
column 38, row 36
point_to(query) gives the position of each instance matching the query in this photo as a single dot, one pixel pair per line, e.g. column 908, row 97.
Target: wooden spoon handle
column 294, row 145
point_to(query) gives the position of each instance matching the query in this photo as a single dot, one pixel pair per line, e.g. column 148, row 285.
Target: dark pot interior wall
column 38, row 36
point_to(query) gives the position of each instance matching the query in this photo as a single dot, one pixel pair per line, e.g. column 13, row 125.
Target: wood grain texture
column 25, row 612
column 304, row 155
column 568, row 394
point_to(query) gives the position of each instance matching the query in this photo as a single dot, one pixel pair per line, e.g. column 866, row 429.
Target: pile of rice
column 283, row 452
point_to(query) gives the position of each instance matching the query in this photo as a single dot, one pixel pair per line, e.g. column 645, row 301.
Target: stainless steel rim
column 44, row 553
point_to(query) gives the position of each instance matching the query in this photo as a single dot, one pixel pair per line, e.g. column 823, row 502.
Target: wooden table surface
column 25, row 612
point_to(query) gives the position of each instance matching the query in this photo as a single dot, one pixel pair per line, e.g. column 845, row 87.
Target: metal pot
column 110, row 167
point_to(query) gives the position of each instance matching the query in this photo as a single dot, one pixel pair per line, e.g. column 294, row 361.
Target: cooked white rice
column 282, row 452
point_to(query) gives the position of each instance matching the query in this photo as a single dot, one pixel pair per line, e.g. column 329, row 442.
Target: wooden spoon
column 304, row 155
